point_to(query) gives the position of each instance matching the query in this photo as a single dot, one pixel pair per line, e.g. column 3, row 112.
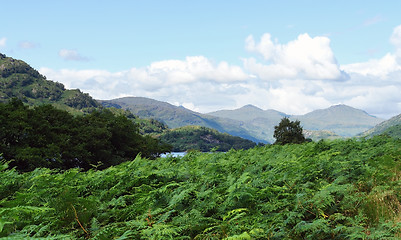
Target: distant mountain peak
column 250, row 106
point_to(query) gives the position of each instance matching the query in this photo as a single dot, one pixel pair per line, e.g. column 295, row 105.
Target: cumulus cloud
column 375, row 67
column 187, row 82
column 384, row 67
column 71, row 55
column 302, row 58
column 195, row 68
column 376, row 84
column 295, row 77
column 3, row 41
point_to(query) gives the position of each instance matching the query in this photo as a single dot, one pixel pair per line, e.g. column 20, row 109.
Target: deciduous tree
column 288, row 132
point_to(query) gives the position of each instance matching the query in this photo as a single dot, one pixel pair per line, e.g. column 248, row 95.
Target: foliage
column 19, row 80
column 318, row 190
column 394, row 131
column 288, row 132
column 387, row 127
column 48, row 137
column 203, row 139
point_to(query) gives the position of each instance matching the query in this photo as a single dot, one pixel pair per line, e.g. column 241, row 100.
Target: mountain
column 176, row 117
column 391, row 127
column 259, row 123
column 19, row 80
column 343, row 120
column 251, row 122
column 249, row 113
column 148, row 108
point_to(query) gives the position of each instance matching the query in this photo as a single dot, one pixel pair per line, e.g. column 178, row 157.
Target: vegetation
column 393, row 131
column 48, row 137
column 19, row 80
column 288, row 132
column 326, row 190
column 383, row 127
column 203, row 139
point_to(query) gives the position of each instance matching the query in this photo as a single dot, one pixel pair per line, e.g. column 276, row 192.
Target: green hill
column 203, row 139
column 19, row 80
column 390, row 127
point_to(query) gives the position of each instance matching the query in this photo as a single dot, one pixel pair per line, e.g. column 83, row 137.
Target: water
column 173, row 154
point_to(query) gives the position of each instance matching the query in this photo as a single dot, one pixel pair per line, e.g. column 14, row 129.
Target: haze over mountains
column 251, row 122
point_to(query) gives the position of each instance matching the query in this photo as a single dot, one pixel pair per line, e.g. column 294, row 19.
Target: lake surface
column 173, row 154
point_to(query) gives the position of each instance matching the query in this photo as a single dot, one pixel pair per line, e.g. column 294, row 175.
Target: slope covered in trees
column 325, row 190
column 19, row 80
column 44, row 136
column 203, row 139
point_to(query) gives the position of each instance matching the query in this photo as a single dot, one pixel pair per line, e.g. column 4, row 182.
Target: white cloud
column 384, row 67
column 304, row 72
column 303, row 58
column 27, row 45
column 176, row 80
column 3, row 41
column 375, row 67
column 396, row 37
column 195, row 68
column 71, row 55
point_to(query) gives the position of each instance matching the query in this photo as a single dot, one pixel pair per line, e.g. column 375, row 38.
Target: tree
column 288, row 132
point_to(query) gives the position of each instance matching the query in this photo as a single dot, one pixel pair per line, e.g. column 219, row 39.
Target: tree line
column 44, row 136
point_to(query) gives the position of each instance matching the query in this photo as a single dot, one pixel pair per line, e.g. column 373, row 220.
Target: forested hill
column 203, row 139
column 19, row 80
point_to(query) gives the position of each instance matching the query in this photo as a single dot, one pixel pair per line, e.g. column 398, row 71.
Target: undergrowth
column 342, row 189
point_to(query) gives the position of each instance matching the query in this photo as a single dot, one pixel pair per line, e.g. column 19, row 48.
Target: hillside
column 319, row 190
column 19, row 80
column 340, row 119
column 148, row 108
column 390, row 127
column 176, row 117
column 251, row 122
column 203, row 139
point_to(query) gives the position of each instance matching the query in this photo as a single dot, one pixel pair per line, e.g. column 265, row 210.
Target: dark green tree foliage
column 288, row 132
column 320, row 190
column 47, row 137
column 203, row 139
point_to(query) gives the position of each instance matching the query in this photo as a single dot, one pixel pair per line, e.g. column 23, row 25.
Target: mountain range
column 19, row 80
column 251, row 122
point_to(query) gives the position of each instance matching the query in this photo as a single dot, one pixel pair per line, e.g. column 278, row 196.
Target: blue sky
column 292, row 56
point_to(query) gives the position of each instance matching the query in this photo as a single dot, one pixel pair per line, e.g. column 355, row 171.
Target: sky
column 291, row 56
